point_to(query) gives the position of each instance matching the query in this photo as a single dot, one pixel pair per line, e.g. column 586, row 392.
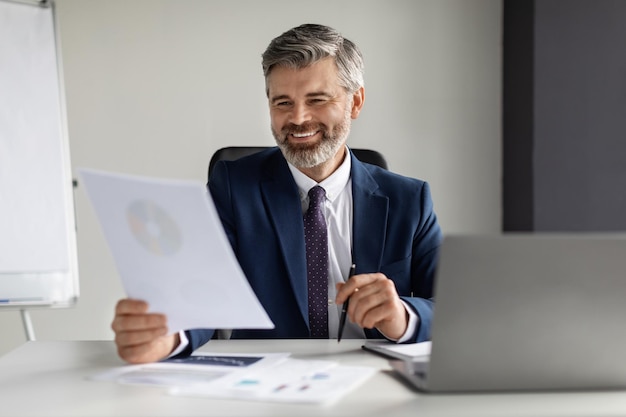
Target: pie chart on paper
column 153, row 228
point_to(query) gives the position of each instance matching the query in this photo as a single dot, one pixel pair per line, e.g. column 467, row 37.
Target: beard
column 308, row 155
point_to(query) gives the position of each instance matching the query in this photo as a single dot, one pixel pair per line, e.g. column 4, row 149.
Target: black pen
column 344, row 309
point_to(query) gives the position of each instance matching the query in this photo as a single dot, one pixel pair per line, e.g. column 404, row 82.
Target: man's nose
column 299, row 114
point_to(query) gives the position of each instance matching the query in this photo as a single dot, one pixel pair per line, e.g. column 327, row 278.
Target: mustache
column 303, row 128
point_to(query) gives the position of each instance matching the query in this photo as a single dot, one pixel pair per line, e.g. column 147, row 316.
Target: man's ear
column 357, row 102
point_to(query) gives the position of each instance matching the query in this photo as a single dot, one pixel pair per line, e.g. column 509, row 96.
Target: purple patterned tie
column 316, row 240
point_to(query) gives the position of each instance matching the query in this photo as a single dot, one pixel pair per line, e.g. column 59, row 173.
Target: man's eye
column 282, row 104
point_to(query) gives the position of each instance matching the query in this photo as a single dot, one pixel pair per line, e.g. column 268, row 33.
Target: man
column 382, row 222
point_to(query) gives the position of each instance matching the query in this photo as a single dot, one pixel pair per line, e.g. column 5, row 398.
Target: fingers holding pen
column 361, row 292
column 358, row 284
column 374, row 302
column 347, row 289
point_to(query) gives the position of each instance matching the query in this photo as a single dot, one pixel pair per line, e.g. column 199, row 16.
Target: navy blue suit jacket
column 395, row 231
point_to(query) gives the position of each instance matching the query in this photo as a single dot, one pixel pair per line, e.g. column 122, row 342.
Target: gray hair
column 306, row 44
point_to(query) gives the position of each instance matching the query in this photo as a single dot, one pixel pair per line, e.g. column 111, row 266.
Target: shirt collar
column 333, row 185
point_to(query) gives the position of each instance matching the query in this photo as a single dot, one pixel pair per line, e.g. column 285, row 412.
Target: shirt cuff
column 184, row 342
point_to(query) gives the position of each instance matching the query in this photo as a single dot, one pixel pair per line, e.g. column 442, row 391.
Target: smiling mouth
column 303, row 135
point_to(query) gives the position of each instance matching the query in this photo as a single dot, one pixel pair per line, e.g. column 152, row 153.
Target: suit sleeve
column 426, row 242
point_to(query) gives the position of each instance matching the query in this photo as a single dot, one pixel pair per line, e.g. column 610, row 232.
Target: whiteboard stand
column 28, row 325
column 39, row 264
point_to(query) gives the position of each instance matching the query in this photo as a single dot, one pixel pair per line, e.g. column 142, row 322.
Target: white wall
column 154, row 87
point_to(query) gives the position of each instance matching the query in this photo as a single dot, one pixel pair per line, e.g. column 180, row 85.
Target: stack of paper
column 260, row 377
column 405, row 351
column 291, row 380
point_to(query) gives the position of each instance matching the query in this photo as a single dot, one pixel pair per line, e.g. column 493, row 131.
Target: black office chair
column 230, row 153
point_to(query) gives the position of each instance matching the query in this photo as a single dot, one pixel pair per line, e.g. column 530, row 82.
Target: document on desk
column 199, row 368
column 290, row 380
column 171, row 250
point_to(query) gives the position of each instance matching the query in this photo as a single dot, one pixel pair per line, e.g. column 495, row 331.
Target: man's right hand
column 140, row 336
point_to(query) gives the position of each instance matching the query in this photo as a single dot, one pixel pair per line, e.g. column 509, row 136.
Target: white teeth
column 303, row 135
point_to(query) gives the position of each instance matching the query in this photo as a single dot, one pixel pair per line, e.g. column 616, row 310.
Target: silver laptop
column 527, row 312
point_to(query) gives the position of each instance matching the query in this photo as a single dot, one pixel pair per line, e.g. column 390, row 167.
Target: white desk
column 48, row 379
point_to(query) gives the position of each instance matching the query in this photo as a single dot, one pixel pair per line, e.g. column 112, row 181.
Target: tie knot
column 316, row 196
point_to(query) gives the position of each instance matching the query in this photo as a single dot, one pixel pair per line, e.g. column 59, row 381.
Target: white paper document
column 199, row 368
column 171, row 250
column 290, row 380
column 274, row 377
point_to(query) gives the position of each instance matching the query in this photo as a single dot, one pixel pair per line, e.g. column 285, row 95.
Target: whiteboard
column 38, row 259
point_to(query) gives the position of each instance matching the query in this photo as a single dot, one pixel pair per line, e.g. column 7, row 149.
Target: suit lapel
column 369, row 222
column 281, row 198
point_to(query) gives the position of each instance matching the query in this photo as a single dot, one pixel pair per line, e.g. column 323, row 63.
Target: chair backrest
column 230, row 153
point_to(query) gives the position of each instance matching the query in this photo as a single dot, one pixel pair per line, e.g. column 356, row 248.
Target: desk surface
column 49, row 379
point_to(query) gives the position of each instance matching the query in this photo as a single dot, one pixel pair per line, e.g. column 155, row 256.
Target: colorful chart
column 153, row 228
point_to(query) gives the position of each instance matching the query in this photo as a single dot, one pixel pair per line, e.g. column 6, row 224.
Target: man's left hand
column 374, row 302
